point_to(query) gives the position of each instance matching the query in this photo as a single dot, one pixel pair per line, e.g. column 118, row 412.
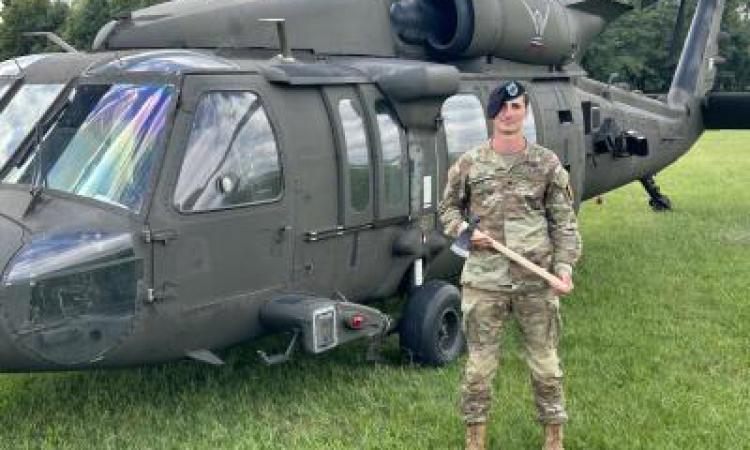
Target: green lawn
column 656, row 352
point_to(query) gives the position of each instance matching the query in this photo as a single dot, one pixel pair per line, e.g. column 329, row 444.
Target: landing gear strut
column 658, row 201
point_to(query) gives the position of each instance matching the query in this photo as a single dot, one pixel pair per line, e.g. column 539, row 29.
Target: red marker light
column 356, row 321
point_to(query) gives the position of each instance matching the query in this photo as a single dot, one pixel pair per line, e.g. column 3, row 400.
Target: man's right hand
column 480, row 240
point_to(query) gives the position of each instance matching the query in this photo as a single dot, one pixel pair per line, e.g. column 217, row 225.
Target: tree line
column 636, row 47
column 77, row 23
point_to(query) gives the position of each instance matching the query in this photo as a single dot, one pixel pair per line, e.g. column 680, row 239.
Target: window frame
column 275, row 130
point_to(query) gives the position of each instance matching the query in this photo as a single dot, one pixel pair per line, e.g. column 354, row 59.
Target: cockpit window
column 105, row 144
column 166, row 61
column 21, row 115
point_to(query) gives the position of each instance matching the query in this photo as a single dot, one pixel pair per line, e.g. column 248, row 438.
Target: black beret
column 501, row 94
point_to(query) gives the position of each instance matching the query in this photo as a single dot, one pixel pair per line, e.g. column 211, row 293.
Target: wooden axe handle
column 551, row 279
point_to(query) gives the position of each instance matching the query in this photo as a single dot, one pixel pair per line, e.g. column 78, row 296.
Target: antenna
column 52, row 37
column 286, row 50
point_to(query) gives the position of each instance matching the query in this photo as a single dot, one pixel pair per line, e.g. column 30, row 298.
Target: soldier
column 520, row 192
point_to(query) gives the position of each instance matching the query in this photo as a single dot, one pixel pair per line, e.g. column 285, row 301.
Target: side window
column 392, row 156
column 357, row 154
column 232, row 157
column 464, row 123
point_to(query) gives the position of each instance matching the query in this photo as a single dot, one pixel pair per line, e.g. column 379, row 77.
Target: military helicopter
column 213, row 172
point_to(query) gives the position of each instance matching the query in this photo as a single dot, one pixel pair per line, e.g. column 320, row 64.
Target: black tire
column 430, row 327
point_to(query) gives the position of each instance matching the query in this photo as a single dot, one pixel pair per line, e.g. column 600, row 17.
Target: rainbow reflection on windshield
column 111, row 157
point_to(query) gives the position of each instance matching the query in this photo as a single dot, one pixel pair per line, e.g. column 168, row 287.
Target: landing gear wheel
column 430, row 326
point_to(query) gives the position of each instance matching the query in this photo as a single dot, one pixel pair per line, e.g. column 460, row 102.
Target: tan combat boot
column 475, row 433
column 553, row 437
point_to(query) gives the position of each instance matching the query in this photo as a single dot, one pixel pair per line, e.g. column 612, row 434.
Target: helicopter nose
column 10, row 240
column 69, row 297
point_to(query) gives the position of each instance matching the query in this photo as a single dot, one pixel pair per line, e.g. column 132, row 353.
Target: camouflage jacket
column 527, row 206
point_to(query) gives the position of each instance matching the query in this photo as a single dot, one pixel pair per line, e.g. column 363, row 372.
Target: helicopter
column 214, row 172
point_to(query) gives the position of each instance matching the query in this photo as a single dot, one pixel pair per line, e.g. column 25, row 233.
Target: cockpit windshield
column 105, row 144
column 23, row 112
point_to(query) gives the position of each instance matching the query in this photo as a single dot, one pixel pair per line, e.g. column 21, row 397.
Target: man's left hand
column 568, row 282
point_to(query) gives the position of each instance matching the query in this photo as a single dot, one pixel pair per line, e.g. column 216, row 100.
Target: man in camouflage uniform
column 520, row 192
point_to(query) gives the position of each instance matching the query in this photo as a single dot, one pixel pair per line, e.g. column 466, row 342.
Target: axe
column 462, row 244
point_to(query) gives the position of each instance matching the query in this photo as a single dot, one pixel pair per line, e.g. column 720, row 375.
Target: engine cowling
column 550, row 32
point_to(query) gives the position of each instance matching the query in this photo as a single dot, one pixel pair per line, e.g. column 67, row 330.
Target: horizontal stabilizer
column 727, row 111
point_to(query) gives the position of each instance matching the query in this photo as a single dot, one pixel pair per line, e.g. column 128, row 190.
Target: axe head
column 463, row 242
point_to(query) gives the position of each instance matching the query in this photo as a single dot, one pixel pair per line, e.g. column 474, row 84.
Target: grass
column 656, row 352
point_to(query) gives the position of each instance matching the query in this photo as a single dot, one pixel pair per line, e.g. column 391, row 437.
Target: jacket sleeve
column 452, row 208
column 563, row 227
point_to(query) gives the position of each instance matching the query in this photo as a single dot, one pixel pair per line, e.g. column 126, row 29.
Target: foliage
column 734, row 74
column 78, row 24
column 85, row 19
column 20, row 16
column 636, row 47
column 87, row 16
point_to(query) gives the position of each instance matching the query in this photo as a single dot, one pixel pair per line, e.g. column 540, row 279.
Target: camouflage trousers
column 484, row 314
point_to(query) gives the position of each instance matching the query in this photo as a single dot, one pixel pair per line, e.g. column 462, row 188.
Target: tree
column 84, row 21
column 21, row 16
column 88, row 16
column 734, row 72
column 636, row 47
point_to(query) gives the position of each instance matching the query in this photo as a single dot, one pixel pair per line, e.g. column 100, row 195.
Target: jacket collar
column 532, row 155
